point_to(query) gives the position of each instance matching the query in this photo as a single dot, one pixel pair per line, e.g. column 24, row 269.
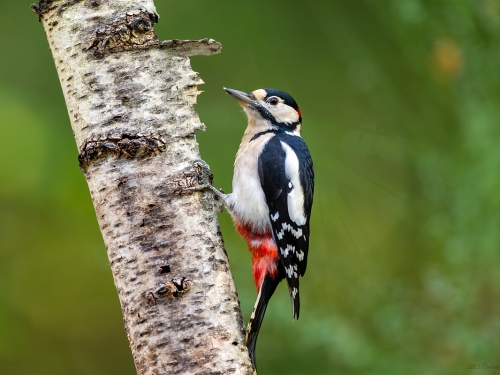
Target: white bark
column 130, row 99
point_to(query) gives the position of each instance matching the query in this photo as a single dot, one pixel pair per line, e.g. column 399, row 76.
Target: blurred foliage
column 400, row 100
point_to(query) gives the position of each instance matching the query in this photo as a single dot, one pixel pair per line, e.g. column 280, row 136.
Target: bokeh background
column 400, row 101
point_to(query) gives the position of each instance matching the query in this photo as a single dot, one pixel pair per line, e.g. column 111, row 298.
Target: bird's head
column 275, row 107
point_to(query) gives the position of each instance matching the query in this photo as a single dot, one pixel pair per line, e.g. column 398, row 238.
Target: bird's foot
column 202, row 179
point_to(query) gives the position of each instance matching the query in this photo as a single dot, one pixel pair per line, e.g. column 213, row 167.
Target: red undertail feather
column 264, row 253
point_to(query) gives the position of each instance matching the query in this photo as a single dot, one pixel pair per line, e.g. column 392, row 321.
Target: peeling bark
column 131, row 101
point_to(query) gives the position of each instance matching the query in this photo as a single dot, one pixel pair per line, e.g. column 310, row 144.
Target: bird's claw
column 201, row 179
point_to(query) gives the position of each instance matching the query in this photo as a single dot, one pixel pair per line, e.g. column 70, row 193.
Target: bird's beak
column 245, row 99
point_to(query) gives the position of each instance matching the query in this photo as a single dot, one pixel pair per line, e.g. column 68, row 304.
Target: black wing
column 291, row 236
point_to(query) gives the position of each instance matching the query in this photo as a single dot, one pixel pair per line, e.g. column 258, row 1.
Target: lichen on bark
column 131, row 100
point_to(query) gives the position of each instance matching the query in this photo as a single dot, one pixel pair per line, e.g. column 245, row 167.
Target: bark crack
column 172, row 288
column 44, row 6
column 124, row 33
column 126, row 144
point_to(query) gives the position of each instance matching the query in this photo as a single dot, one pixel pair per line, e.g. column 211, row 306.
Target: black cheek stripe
column 263, row 133
column 269, row 117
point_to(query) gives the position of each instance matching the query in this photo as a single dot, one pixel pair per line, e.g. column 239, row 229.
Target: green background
column 400, row 105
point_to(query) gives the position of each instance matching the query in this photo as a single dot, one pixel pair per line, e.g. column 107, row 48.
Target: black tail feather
column 266, row 292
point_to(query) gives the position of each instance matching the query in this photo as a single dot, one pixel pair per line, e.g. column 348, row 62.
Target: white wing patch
column 289, row 248
column 280, row 234
column 295, row 198
column 291, row 271
column 300, row 255
column 287, row 227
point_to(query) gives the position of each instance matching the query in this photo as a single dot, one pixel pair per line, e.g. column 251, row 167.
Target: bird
column 271, row 199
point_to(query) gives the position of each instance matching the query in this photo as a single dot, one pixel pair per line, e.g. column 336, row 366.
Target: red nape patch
column 264, row 253
column 298, row 111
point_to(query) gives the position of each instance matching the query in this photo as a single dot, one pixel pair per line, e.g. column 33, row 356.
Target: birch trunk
column 130, row 99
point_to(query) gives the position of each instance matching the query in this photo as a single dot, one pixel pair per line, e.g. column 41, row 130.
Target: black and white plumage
column 287, row 178
column 273, row 185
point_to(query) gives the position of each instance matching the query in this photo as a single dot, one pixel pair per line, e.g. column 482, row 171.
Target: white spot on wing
column 296, row 233
column 300, row 255
column 291, row 272
column 295, row 199
column 289, row 248
column 294, row 292
column 275, row 216
column 280, row 234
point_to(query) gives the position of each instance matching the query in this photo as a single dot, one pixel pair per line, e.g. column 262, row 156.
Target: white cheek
column 284, row 114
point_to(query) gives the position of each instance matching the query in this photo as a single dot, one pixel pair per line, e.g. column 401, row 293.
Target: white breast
column 247, row 199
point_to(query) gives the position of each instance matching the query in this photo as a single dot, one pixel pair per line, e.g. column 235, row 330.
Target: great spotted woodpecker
column 272, row 196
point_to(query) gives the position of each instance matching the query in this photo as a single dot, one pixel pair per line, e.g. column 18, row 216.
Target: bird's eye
column 273, row 100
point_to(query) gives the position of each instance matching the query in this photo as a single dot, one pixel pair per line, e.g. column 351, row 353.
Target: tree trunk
column 130, row 99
